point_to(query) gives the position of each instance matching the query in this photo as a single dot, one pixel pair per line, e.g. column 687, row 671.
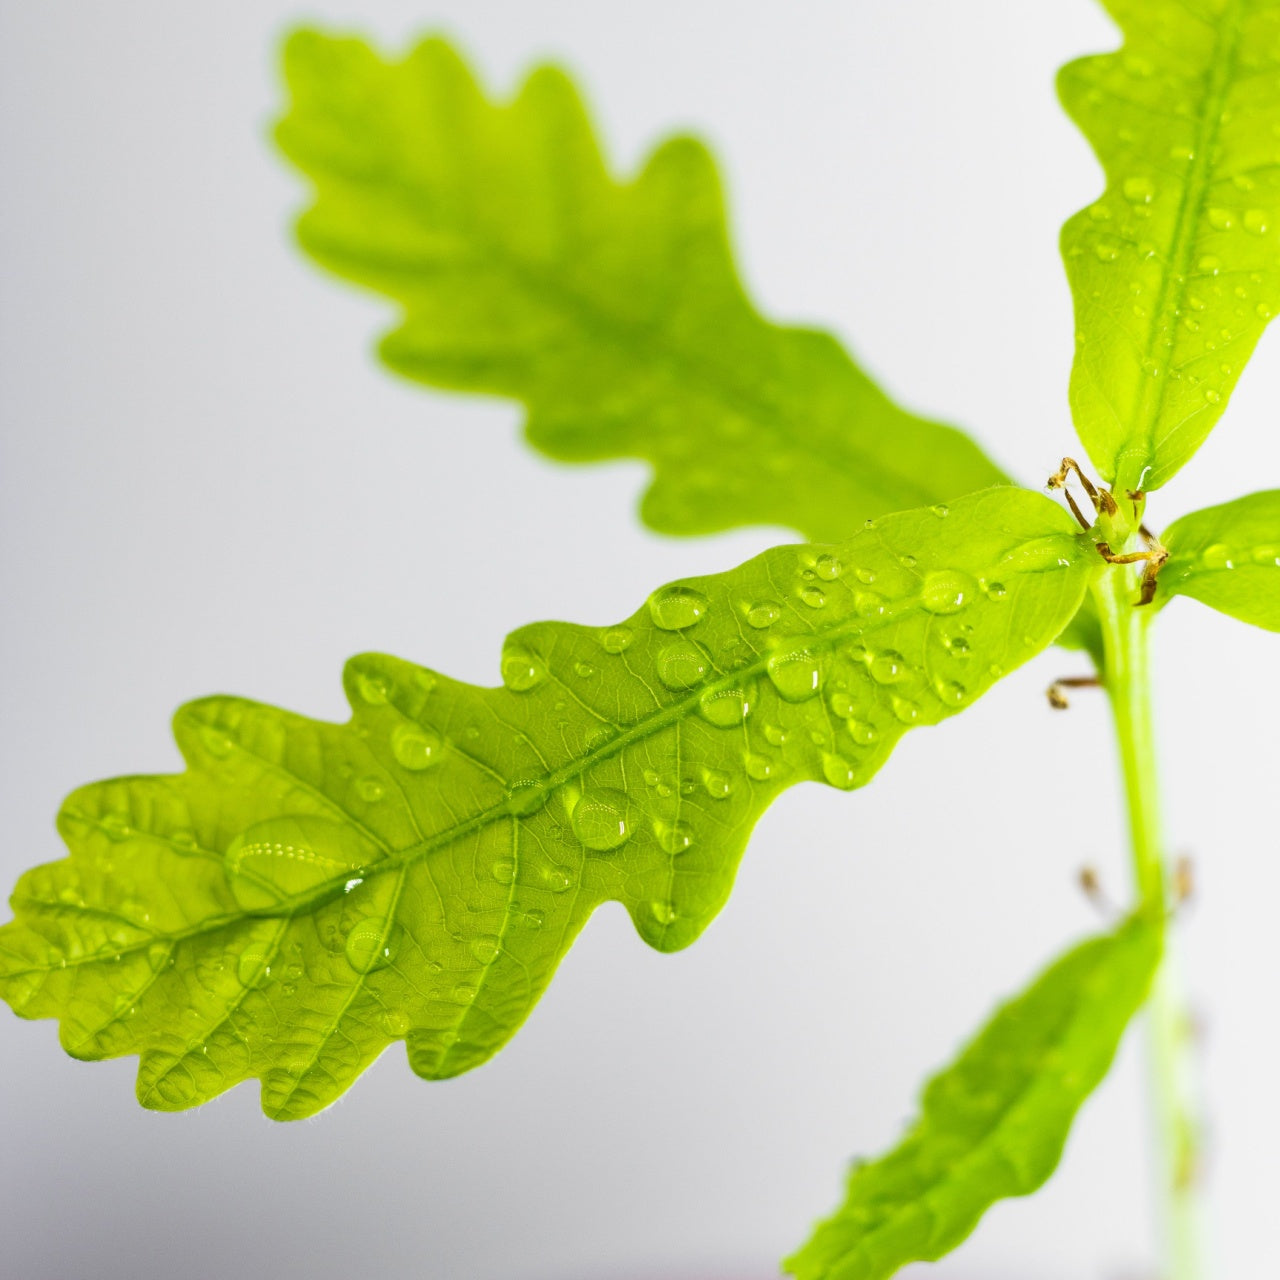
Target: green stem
column 1173, row 1094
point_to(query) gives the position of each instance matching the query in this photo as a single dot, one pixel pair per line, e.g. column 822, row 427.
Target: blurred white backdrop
column 207, row 484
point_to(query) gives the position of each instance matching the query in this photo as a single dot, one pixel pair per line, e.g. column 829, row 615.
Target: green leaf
column 307, row 892
column 994, row 1123
column 611, row 310
column 1176, row 267
column 1228, row 557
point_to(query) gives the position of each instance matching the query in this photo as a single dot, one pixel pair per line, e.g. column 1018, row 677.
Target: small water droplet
column 522, row 670
column 842, row 704
column 217, row 743
column 533, row 919
column 1263, row 311
column 838, row 771
column 813, row 597
column 673, row 837
column 906, row 710
column 1218, row 556
column 601, row 819
column 1209, row 264
column 888, row 667
column 1106, row 249
column 254, row 966
column 764, row 614
column 415, row 748
column 758, row 767
column 1139, row 190
column 795, row 674
column 115, row 826
column 717, row 784
column 527, row 795
column 374, row 689
column 951, row 692
column 370, row 789
column 947, row 591
column 1256, row 221
column 865, row 576
column 995, row 590
column 584, row 670
column 504, row 871
column 682, row 665
column 940, row 509
column 663, row 912
column 1265, row 555
column 1212, row 395
column 282, row 859
column 372, row 944
column 616, row 639
column 828, row 568
column 775, row 735
column 558, row 879
column 862, row 733
column 463, row 993
column 674, row 608
column 1221, row 219
column 395, row 1024
column 485, row 949
column 907, row 562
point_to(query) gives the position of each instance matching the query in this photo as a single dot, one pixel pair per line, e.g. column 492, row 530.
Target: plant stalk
column 1169, row 1040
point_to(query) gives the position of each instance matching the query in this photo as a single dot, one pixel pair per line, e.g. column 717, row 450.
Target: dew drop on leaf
column 521, row 670
column 283, row 859
column 372, row 944
column 375, row 690
column 674, row 608
column 717, row 784
column 947, row 591
column 681, row 666
column 395, row 1023
column 601, row 819
column 616, row 639
column 764, row 614
column 526, row 796
column 828, row 568
column 485, row 949
column 758, row 767
column 862, row 733
column 1218, row 556
column 415, row 748
column 725, row 708
column 795, row 674
column 888, row 667
column 838, row 771
column 253, row 969
column 813, row 597
column 906, row 710
column 673, row 837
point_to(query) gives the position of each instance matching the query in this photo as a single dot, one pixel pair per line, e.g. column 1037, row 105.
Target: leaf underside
column 994, row 1123
column 307, row 892
column 1228, row 557
column 1175, row 269
column 611, row 310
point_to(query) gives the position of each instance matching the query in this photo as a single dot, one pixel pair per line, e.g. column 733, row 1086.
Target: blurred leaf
column 611, row 310
column 994, row 1123
column 307, row 892
column 1228, row 557
column 1176, row 267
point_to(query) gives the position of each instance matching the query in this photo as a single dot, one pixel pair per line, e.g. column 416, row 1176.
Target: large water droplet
column 950, row 691
column 527, row 795
column 947, row 591
column 717, row 784
column 522, row 670
column 725, row 708
column 828, row 568
column 601, row 819
column 372, row 944
column 813, row 597
column 674, row 608
column 485, row 949
column 795, row 674
column 889, row 667
column 415, row 748
column 282, row 860
column 682, row 665
column 254, row 968
column 758, row 767
column 906, row 710
column 862, row 733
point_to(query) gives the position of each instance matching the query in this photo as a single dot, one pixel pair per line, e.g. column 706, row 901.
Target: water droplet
column 558, row 879
column 1221, row 219
column 283, row 859
column 1182, row 153
column 795, row 674
column 725, row 708
column 485, row 949
column 372, row 944
column 842, row 704
column 995, row 590
column 1266, row 555
column 868, row 604
column 941, row 509
column 374, row 689
column 906, row 710
column 862, row 733
column 522, row 670
column 764, row 614
column 947, row 591
column 1139, row 190
column 533, row 919
column 889, row 667
column 1263, row 311
column 951, row 692
column 828, row 568
column 674, row 608
column 217, row 743
column 527, row 795
column 907, row 562
column 415, row 748
column 663, row 912
column 254, row 966
column 1106, row 249
column 682, row 665
column 865, row 576
column 584, row 670
column 1209, row 264
column 758, row 767
column 601, row 819
column 504, row 871
column 616, row 639
column 717, row 784
column 838, row 771
column 115, row 826
column 814, row 598
column 1218, row 556
column 1212, row 395
column 1256, row 221
column 394, row 1023
column 369, row 789
column 775, row 735
column 463, row 993
column 673, row 837
column 1099, row 213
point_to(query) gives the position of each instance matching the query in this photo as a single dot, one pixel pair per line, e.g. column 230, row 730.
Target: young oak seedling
column 305, row 892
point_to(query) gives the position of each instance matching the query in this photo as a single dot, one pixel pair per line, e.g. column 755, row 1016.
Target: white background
column 207, row 484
